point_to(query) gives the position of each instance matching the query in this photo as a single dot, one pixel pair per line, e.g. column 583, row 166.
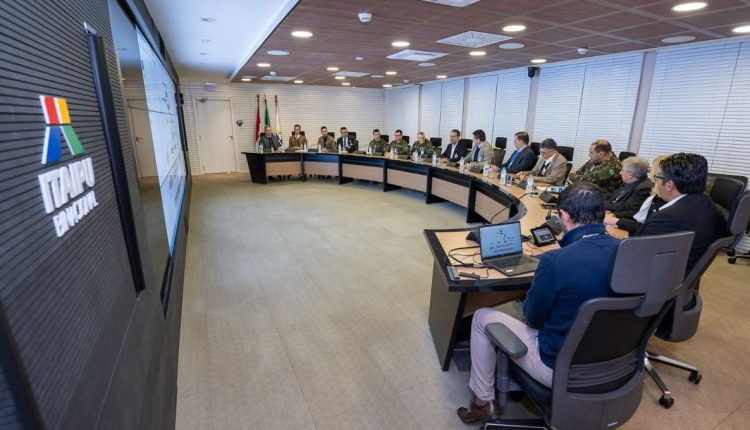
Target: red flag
column 257, row 119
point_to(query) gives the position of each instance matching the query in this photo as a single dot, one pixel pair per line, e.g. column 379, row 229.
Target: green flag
column 268, row 118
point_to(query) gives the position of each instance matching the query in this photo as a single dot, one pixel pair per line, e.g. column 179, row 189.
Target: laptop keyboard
column 512, row 261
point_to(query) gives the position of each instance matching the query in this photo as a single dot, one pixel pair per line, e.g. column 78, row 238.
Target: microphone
column 554, row 224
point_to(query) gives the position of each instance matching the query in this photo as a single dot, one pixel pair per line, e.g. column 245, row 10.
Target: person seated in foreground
column 626, row 200
column 398, row 144
column 377, row 145
column 455, row 150
column 481, row 152
column 602, row 169
column 558, row 289
column 422, row 146
column 551, row 167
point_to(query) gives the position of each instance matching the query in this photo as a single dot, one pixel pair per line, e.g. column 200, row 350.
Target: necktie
column 513, row 157
column 476, row 154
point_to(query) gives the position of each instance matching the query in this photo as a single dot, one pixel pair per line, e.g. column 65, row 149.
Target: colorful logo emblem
column 58, row 127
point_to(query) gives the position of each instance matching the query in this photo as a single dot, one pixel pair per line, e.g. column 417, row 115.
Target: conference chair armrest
column 506, row 340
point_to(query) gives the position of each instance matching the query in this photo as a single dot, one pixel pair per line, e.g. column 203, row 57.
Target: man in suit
column 625, row 201
column 603, row 167
column 551, row 167
column 523, row 158
column 551, row 304
column 455, row 150
column 398, row 144
column 681, row 182
column 269, row 142
column 346, row 142
column 297, row 140
column 377, row 145
column 325, row 141
column 481, row 152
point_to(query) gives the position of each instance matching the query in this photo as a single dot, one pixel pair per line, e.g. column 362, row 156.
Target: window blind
column 511, row 104
column 404, row 111
column 451, row 107
column 732, row 149
column 430, row 109
column 480, row 99
column 559, row 103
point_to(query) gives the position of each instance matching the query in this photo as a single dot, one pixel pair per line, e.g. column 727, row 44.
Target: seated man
column 523, row 158
column 455, row 150
column 377, row 145
column 558, row 289
column 325, row 141
column 398, row 144
column 297, row 140
column 422, row 146
column 625, row 201
column 349, row 144
column 269, row 142
column 481, row 152
column 551, row 167
column 681, row 182
column 602, row 169
column 650, row 206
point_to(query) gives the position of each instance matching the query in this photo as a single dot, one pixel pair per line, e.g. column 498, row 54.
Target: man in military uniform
column 377, row 145
column 422, row 146
column 399, row 144
column 602, row 169
column 326, row 141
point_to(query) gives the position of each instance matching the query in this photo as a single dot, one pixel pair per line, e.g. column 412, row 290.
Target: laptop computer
column 500, row 248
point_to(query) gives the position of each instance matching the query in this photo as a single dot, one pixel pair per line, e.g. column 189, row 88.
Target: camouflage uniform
column 402, row 147
column 426, row 147
column 606, row 174
column 377, row 146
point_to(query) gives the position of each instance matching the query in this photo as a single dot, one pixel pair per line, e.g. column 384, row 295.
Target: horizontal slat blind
column 559, row 103
column 480, row 99
column 511, row 104
column 403, row 111
column 733, row 148
column 430, row 109
column 451, row 107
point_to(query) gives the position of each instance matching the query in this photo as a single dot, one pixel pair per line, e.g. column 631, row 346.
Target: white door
column 140, row 131
column 216, row 136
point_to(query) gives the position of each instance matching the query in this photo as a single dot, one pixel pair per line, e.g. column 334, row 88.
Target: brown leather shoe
column 476, row 412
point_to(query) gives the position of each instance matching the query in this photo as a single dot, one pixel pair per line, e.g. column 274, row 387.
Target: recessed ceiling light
column 264, row 65
column 246, row 79
column 511, row 45
column 332, row 69
column 377, row 76
column 689, row 7
column 538, row 60
column 205, row 40
column 301, row 33
column 346, row 84
column 298, row 81
column 359, row 58
column 387, row 85
column 277, row 52
column 400, row 44
column 391, row 73
column 426, row 64
column 514, row 28
column 441, row 76
column 207, row 19
column 477, row 53
column 678, row 39
column 742, row 29
column 340, row 78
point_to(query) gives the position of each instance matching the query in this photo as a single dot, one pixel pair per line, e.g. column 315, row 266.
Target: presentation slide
column 165, row 131
column 500, row 240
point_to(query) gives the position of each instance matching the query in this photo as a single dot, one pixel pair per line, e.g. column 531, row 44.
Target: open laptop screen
column 500, row 239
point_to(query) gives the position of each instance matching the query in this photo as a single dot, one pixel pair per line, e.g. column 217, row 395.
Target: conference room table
column 452, row 301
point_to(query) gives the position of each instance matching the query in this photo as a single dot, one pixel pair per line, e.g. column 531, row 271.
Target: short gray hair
column 638, row 166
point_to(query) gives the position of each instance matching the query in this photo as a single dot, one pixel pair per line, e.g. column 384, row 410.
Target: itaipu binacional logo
column 66, row 189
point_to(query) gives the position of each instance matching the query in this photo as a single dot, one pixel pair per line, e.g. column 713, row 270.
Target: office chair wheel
column 732, row 260
column 516, row 396
column 695, row 377
column 666, row 402
column 730, row 252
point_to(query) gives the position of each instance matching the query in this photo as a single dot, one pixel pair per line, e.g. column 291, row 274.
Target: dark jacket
column 351, row 147
column 693, row 212
column 524, row 162
column 460, row 152
column 566, row 278
column 631, row 225
column 626, row 200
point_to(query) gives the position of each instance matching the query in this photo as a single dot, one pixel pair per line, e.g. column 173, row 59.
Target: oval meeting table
column 452, row 300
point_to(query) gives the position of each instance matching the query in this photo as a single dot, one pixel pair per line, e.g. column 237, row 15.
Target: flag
column 257, row 119
column 278, row 123
column 268, row 118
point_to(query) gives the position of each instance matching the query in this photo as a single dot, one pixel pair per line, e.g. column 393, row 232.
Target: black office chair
column 406, row 138
column 724, row 191
column 625, row 154
column 566, row 151
column 353, row 134
column 469, row 143
column 682, row 321
column 332, row 134
column 598, row 375
column 436, row 142
column 568, row 168
column 732, row 255
column 535, row 147
column 385, row 137
column 501, row 142
column 302, row 132
column 499, row 154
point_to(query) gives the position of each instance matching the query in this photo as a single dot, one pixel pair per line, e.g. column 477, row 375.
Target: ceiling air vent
column 414, row 55
column 350, row 74
column 277, row 78
column 454, row 3
column 474, row 39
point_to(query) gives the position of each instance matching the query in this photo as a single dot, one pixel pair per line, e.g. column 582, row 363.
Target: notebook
column 500, row 248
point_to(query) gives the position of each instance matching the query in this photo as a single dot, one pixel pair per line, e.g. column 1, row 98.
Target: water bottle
column 530, row 184
column 461, row 166
column 434, row 160
column 503, row 176
column 486, row 170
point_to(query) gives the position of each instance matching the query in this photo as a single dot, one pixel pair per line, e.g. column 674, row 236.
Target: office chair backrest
column 566, row 151
column 353, row 134
column 406, row 138
column 725, row 191
column 469, row 143
column 385, row 137
column 682, row 322
column 568, row 168
column 332, row 134
column 598, row 377
column 625, row 154
column 437, row 142
column 501, row 142
column 535, row 147
column 302, row 132
column 499, row 155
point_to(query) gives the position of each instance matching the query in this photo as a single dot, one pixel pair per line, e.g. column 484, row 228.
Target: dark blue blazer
column 523, row 163
column 460, row 152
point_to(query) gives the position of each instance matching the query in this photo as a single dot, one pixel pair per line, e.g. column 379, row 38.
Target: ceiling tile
column 613, row 22
column 571, row 12
column 649, row 31
column 555, row 34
